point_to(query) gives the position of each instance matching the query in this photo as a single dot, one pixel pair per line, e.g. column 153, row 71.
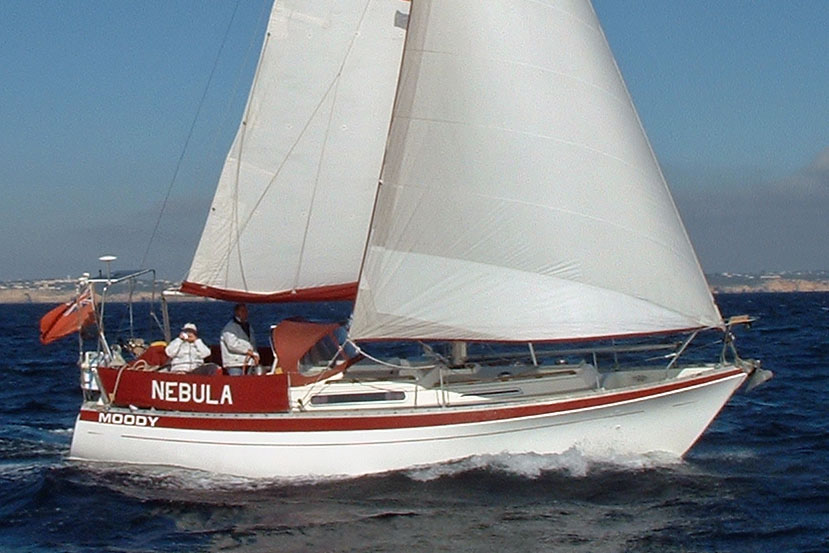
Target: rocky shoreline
column 759, row 285
column 775, row 286
column 62, row 296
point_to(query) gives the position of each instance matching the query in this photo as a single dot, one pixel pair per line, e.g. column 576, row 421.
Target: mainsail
column 292, row 208
column 520, row 198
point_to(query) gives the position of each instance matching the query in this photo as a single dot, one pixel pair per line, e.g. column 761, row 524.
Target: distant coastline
column 60, row 290
column 52, row 291
column 780, row 286
column 62, row 296
column 782, row 282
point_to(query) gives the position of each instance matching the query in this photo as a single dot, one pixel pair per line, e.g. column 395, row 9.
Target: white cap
column 190, row 326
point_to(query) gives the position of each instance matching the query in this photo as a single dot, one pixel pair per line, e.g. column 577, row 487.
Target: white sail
column 291, row 212
column 520, row 198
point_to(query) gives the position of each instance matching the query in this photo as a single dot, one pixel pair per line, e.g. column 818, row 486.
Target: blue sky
column 97, row 98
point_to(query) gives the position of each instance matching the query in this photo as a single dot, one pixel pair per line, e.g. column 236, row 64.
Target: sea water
column 758, row 480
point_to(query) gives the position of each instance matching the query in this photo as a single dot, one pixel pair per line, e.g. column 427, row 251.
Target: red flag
column 67, row 318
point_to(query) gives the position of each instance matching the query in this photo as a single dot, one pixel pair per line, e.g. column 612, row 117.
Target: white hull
column 666, row 417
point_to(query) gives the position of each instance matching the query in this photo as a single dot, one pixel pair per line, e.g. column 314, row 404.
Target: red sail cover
column 334, row 292
column 67, row 318
column 294, row 339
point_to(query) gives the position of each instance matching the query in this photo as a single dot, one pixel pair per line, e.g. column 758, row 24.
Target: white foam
column 532, row 465
column 726, row 454
column 527, row 465
column 61, row 431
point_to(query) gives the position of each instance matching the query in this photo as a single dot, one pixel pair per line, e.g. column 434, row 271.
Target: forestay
column 291, row 212
column 520, row 198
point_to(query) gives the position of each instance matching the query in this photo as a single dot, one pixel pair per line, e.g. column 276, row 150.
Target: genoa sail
column 525, row 204
column 291, row 212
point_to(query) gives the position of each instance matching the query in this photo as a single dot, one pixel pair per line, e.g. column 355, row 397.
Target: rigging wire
column 331, row 89
column 189, row 136
column 240, row 140
column 237, row 83
column 323, row 148
column 370, row 357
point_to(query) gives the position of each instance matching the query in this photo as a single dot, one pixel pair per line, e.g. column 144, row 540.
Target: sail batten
column 521, row 199
column 293, row 203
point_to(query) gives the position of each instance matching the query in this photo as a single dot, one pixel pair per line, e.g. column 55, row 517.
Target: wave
column 571, row 463
column 14, row 449
column 67, row 431
column 159, row 482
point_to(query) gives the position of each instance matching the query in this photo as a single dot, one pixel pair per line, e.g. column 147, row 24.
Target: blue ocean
column 758, row 480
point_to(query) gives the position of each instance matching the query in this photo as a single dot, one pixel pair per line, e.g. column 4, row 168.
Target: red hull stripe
column 335, row 292
column 301, row 422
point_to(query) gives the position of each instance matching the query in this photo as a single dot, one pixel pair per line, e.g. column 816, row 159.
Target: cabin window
column 325, row 354
column 328, row 399
column 341, row 335
column 330, row 351
column 510, row 392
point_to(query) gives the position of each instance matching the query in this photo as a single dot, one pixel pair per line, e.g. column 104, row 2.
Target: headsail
column 291, row 212
column 520, row 198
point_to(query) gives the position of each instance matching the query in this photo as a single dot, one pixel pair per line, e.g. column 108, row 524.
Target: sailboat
column 475, row 177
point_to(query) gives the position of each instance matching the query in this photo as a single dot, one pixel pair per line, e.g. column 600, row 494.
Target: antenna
column 108, row 259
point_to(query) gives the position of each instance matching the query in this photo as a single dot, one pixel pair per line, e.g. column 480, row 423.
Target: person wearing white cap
column 187, row 351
